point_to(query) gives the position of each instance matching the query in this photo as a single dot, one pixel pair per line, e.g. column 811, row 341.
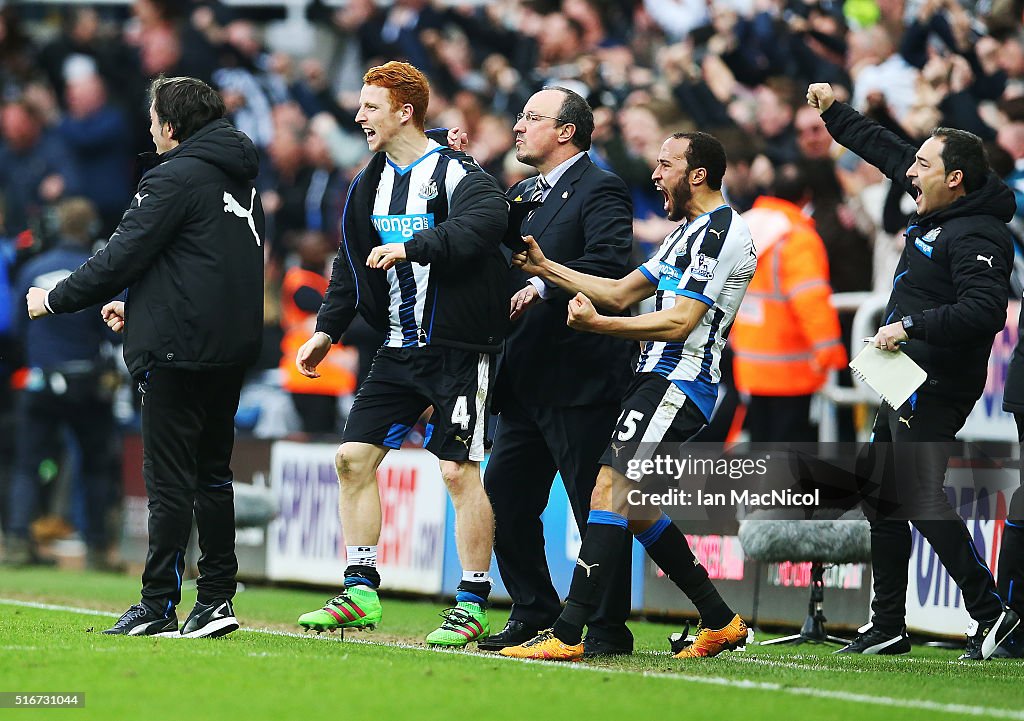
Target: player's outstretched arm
column 671, row 325
column 614, row 294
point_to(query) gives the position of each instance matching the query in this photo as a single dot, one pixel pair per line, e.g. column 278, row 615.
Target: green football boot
column 357, row 607
column 464, row 623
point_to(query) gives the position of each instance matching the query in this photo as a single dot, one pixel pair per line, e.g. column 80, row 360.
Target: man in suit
column 557, row 390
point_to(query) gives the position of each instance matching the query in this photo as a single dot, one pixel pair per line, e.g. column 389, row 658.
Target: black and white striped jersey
column 710, row 259
column 451, row 217
column 409, row 200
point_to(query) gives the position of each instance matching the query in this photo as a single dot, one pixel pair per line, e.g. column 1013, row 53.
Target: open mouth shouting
column 665, row 196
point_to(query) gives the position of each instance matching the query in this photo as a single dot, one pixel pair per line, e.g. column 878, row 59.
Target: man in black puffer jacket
column 188, row 252
column 948, row 302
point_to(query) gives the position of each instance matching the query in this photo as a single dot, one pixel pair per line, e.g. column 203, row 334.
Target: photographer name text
column 677, row 497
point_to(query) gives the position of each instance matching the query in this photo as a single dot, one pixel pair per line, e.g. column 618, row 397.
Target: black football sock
column 599, row 557
column 362, row 576
column 667, row 547
column 474, row 587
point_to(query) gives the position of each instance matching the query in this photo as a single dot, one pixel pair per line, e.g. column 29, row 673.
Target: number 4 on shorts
column 460, row 416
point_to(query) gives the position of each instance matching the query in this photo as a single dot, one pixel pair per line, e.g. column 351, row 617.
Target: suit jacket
column 585, row 223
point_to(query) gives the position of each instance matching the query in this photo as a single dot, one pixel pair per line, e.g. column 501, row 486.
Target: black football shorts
column 404, row 382
column 654, row 411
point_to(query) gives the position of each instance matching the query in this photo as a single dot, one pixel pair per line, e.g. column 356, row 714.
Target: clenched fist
column 582, row 313
column 113, row 315
column 820, row 96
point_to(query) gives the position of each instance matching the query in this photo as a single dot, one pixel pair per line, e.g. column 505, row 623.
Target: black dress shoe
column 514, row 633
column 596, row 647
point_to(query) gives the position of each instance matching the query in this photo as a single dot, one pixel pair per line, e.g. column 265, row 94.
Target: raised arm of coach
column 957, row 296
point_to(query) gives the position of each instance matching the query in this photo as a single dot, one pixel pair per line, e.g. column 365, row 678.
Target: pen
column 868, row 340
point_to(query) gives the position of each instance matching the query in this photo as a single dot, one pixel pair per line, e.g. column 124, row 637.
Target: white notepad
column 892, row 375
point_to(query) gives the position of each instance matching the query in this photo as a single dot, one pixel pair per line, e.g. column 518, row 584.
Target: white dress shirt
column 552, row 179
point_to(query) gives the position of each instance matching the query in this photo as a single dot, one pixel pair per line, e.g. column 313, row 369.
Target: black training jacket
column 468, row 286
column 954, row 274
column 189, row 251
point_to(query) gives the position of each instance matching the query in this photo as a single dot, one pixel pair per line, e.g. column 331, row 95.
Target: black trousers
column 41, row 416
column 187, row 435
column 317, row 413
column 1011, row 553
column 530, row 445
column 780, row 419
column 912, row 447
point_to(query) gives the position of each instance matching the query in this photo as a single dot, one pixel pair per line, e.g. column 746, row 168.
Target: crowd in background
column 73, row 83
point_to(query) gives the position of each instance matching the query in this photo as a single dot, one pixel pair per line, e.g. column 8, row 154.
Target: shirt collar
column 558, row 171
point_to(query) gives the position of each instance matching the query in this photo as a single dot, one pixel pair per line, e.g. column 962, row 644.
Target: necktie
column 538, row 193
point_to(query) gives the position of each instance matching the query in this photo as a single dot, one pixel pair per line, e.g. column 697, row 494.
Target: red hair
column 407, row 85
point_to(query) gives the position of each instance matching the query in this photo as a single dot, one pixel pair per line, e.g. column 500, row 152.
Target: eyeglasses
column 532, row 117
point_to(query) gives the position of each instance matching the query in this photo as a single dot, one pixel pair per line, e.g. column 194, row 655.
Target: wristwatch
column 908, row 324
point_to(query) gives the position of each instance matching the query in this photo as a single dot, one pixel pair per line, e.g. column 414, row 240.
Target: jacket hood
column 220, row 143
column 993, row 198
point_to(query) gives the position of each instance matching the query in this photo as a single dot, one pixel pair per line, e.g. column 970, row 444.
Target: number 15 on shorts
column 628, row 423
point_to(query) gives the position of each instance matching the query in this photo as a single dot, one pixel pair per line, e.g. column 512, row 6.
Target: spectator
column 324, row 184
column 1011, row 139
column 36, row 168
column 284, row 202
column 95, row 132
column 749, row 173
column 17, row 54
column 396, row 31
column 560, row 42
column 877, row 67
column 786, row 336
column 84, row 36
column 844, row 233
column 812, row 136
column 775, row 121
column 249, row 91
column 631, row 154
column 70, row 385
column 302, row 294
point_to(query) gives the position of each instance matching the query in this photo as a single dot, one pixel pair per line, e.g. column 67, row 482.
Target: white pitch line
column 51, row 607
column 897, row 660
column 779, row 663
column 750, row 684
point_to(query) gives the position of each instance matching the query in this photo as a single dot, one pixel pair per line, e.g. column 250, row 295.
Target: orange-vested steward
column 786, row 335
column 299, row 325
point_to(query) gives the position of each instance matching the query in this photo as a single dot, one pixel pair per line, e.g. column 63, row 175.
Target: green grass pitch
column 270, row 671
